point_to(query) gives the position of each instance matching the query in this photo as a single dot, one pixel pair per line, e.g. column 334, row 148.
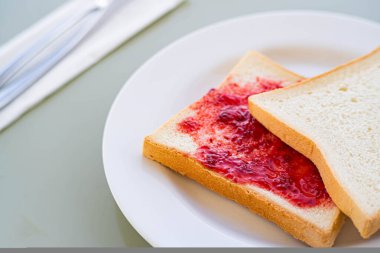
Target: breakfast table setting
column 83, row 81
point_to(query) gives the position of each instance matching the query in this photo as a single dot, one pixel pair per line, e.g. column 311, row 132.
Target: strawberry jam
column 234, row 144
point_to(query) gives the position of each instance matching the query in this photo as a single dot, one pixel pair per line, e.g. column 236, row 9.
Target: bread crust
column 263, row 58
column 306, row 146
column 288, row 221
column 307, row 80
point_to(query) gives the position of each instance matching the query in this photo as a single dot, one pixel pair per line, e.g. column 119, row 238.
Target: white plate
column 170, row 210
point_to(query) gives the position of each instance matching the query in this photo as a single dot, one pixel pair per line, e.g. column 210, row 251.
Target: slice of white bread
column 334, row 120
column 317, row 226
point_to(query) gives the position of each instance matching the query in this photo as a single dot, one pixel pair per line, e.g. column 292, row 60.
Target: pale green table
column 53, row 190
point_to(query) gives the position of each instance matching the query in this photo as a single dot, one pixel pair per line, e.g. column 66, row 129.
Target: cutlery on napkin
column 125, row 19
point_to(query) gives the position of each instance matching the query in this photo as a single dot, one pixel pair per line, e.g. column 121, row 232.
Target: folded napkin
column 120, row 24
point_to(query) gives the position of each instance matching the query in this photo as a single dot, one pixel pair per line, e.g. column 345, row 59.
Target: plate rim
column 293, row 12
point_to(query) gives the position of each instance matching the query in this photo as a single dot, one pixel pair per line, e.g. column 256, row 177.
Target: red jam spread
column 234, row 144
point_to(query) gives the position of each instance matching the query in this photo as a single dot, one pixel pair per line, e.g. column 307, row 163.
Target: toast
column 217, row 143
column 333, row 119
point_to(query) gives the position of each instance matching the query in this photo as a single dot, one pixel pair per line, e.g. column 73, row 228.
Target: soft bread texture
column 317, row 226
column 333, row 119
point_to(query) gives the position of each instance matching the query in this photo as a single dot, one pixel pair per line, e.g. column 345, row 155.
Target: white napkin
column 127, row 19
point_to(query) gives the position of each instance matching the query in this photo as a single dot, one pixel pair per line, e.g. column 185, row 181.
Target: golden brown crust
column 296, row 226
column 253, row 55
column 366, row 225
column 264, row 58
column 306, row 81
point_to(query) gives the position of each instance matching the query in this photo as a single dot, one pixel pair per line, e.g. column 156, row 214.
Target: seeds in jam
column 234, row 144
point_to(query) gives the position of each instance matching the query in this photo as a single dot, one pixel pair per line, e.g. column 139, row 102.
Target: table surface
column 52, row 185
